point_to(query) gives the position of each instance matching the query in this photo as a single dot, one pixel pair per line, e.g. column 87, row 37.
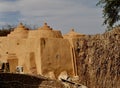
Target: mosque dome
column 45, row 27
column 19, row 32
column 45, row 32
column 73, row 34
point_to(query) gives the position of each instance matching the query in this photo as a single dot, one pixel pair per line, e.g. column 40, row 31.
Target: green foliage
column 111, row 11
column 6, row 30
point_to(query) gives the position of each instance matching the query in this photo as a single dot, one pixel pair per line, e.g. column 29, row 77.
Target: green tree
column 111, row 11
column 4, row 31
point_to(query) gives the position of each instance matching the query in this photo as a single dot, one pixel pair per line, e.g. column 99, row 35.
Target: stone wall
column 98, row 59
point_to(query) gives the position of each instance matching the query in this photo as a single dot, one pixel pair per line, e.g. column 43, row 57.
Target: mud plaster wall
column 37, row 55
column 21, row 49
column 57, row 56
column 98, row 60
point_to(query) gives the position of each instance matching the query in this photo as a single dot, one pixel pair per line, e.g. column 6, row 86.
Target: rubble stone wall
column 98, row 60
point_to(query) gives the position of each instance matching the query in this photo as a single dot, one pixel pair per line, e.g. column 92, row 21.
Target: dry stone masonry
column 98, row 59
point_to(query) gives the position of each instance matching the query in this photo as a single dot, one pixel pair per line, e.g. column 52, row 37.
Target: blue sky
column 82, row 15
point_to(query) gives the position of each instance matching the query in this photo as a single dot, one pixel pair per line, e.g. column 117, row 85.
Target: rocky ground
column 8, row 80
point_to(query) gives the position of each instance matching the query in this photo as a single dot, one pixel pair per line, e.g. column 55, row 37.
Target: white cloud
column 61, row 14
column 43, row 7
column 7, row 6
column 2, row 23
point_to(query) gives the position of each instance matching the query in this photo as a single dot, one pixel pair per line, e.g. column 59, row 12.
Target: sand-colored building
column 39, row 51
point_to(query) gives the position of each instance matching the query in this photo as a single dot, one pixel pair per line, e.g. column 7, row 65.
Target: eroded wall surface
column 56, row 56
column 98, row 60
column 37, row 55
column 38, row 51
column 21, row 49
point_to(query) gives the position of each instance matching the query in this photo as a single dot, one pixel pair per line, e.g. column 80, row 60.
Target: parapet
column 45, row 27
column 73, row 34
column 45, row 32
column 19, row 32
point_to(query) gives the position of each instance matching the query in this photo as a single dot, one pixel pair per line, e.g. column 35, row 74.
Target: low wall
column 98, row 60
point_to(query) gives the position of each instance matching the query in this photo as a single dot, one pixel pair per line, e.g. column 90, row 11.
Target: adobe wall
column 56, row 56
column 98, row 59
column 38, row 55
column 21, row 49
column 3, row 48
column 44, row 34
column 26, row 47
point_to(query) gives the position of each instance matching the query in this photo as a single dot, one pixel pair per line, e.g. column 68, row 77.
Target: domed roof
column 45, row 32
column 20, row 31
column 73, row 34
column 45, row 27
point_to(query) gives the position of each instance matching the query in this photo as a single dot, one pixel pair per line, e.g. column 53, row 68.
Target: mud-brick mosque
column 40, row 51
